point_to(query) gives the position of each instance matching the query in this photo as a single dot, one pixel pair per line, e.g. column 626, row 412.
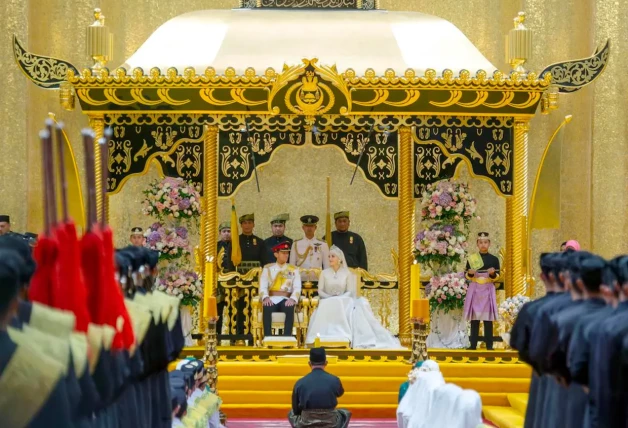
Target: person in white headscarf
column 417, row 399
column 341, row 314
column 440, row 410
column 467, row 410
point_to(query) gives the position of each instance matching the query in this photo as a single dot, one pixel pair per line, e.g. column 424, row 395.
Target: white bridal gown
column 341, row 315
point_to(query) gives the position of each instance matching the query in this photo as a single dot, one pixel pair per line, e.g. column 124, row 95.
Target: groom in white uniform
column 280, row 289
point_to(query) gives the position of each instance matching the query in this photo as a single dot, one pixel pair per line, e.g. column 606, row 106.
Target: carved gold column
column 97, row 123
column 209, row 220
column 406, row 230
column 517, row 214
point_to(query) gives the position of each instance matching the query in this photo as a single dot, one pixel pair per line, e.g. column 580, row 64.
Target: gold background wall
column 594, row 170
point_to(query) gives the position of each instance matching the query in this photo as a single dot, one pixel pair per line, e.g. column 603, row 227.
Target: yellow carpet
column 264, row 389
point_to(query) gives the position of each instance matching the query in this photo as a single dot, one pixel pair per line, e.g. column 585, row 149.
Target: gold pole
column 406, row 230
column 97, row 123
column 209, row 225
column 517, row 215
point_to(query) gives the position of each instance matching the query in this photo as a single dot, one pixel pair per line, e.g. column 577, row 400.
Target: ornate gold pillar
column 209, row 220
column 97, row 123
column 406, row 230
column 517, row 215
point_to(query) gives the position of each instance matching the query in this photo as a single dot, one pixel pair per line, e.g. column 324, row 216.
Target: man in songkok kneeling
column 315, row 397
column 280, row 289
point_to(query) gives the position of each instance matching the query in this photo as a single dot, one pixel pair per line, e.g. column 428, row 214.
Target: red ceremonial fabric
column 42, row 283
column 70, row 293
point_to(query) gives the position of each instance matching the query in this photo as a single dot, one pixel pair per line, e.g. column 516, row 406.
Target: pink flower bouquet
column 442, row 245
column 448, row 201
column 183, row 284
column 171, row 242
column 447, row 292
column 173, row 199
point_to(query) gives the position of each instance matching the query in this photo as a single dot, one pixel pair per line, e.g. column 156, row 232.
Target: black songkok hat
column 547, row 262
column 21, row 247
column 317, row 356
column 619, row 266
column 5, row 219
column 592, row 268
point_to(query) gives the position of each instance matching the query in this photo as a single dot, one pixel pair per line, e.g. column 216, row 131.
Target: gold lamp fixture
column 99, row 41
column 519, row 45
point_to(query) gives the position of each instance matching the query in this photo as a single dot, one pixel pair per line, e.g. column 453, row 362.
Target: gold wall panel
column 594, row 199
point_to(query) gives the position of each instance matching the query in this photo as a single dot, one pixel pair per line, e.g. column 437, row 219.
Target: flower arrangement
column 447, row 292
column 509, row 308
column 442, row 245
column 172, row 198
column 171, row 242
column 448, row 201
column 183, row 284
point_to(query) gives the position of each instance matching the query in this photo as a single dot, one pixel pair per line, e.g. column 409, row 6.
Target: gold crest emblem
column 351, row 240
column 310, row 96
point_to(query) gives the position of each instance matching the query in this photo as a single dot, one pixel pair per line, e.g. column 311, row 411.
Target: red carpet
column 282, row 423
column 277, row 423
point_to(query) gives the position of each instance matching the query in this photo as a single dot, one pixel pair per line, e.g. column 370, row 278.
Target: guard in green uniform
column 278, row 226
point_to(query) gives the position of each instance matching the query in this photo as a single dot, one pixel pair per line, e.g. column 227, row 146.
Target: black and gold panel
column 44, row 71
column 431, row 164
column 178, row 150
column 484, row 143
column 379, row 163
column 308, row 4
column 571, row 76
column 237, row 155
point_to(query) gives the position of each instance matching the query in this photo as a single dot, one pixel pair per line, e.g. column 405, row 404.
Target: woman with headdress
column 341, row 314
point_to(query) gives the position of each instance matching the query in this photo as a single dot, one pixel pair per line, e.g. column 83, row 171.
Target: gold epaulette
column 55, row 347
column 52, row 321
column 27, row 382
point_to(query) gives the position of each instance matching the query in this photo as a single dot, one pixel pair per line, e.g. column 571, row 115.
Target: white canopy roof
column 271, row 38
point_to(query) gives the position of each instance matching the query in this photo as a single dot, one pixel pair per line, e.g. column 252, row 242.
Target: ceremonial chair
column 301, row 320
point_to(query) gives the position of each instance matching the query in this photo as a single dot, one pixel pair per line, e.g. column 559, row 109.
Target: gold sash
column 301, row 257
column 26, row 384
column 52, row 321
column 279, row 278
column 56, row 348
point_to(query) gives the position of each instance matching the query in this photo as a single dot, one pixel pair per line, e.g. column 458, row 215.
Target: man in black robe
column 540, row 338
column 278, row 227
column 521, row 332
column 49, row 406
column 605, row 377
column 252, row 247
column 579, row 353
column 572, row 398
column 351, row 244
column 315, row 397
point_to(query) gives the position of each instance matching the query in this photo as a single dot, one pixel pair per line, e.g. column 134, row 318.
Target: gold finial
column 99, row 41
column 519, row 45
column 317, row 340
column 519, row 20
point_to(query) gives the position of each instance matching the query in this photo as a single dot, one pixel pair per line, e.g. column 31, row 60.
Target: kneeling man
column 279, row 289
column 315, row 397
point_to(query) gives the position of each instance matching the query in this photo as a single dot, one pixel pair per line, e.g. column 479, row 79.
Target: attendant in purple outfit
column 480, row 303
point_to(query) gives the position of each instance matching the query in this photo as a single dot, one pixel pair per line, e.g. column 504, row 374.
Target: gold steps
column 519, row 402
column 255, row 388
column 503, row 417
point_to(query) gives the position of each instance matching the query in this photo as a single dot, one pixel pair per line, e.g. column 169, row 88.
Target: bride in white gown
column 341, row 315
